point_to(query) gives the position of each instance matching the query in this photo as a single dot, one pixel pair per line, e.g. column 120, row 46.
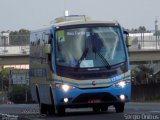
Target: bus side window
column 50, row 55
column 50, row 39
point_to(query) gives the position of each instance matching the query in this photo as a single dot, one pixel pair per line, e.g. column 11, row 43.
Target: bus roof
column 74, row 20
column 67, row 23
column 80, row 22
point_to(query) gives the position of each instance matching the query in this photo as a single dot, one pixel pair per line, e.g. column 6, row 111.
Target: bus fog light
column 65, row 100
column 122, row 97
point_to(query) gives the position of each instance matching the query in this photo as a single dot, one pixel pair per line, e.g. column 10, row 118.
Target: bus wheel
column 96, row 109
column 43, row 109
column 119, row 107
column 37, row 93
column 104, row 108
column 60, row 111
column 51, row 110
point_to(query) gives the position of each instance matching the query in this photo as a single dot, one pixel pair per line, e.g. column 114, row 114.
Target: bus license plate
column 94, row 101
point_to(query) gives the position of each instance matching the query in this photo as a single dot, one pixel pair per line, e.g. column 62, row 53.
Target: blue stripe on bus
column 53, row 49
column 86, row 84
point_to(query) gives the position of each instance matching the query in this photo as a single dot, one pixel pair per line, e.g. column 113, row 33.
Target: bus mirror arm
column 47, row 48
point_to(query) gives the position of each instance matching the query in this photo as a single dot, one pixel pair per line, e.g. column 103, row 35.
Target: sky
column 30, row 14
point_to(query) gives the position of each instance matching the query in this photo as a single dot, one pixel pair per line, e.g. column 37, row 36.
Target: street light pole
column 156, row 31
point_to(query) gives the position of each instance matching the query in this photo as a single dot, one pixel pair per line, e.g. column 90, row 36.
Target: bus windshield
column 89, row 47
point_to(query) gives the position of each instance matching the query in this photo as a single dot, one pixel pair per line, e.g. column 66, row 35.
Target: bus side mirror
column 128, row 39
column 47, row 48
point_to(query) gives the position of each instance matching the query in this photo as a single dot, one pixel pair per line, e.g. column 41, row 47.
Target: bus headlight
column 121, row 84
column 65, row 87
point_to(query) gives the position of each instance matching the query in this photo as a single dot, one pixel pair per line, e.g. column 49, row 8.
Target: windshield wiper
column 106, row 63
column 81, row 58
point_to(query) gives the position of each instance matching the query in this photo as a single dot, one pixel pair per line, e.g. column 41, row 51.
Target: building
column 24, row 66
column 4, row 39
column 19, row 77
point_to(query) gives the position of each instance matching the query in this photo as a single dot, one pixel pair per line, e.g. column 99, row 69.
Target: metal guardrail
column 146, row 44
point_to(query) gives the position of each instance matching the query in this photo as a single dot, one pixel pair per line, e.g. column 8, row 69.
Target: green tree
column 158, row 33
column 142, row 29
column 4, row 78
column 133, row 30
column 20, row 37
column 142, row 74
column 18, row 94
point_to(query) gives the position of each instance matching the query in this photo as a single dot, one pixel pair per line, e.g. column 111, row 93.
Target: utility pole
column 156, row 32
column 2, row 90
column 26, row 95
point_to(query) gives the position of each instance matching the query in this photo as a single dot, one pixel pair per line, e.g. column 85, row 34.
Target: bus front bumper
column 90, row 97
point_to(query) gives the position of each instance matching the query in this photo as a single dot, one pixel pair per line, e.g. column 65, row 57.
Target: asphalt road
column 133, row 111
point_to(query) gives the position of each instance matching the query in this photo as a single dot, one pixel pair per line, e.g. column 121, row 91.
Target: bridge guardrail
column 145, row 44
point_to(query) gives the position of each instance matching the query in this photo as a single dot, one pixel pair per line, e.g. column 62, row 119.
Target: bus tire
column 37, row 93
column 43, row 108
column 104, row 108
column 96, row 109
column 51, row 108
column 119, row 107
column 60, row 111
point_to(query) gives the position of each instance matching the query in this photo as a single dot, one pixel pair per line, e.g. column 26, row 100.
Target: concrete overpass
column 144, row 55
column 14, row 59
column 14, row 55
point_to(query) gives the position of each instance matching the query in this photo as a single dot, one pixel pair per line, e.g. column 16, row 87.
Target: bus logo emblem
column 93, row 83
